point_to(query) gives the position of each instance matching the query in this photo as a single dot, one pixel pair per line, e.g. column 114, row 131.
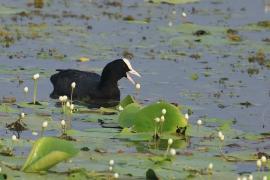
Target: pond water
column 208, row 74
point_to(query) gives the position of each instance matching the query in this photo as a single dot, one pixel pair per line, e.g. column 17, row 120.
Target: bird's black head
column 116, row 70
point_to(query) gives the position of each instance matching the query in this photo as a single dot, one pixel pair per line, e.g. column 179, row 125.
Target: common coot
column 91, row 88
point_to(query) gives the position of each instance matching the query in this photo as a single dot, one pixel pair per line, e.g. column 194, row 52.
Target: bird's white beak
column 129, row 75
column 132, row 71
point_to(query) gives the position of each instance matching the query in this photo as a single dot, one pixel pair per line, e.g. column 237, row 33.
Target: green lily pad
column 127, row 116
column 47, row 152
column 126, row 101
column 145, row 118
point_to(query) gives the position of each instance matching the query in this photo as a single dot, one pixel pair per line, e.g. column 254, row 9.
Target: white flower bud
column 172, row 152
column 65, row 98
column 264, row 177
column 170, row 24
column 61, row 99
column 120, row 108
column 138, row 86
column 184, row 14
column 110, row 168
column 34, row 133
column 71, row 107
column 45, row 124
column 36, row 76
column 73, row 85
column 111, row 162
column 199, row 122
column 239, row 178
column 210, row 166
column 162, row 119
column 68, row 104
column 22, row 115
column 14, row 138
column 259, row 163
column 163, row 111
column 220, row 134
column 174, row 12
column 25, row 89
column 244, row 178
column 170, row 141
column 157, row 119
column 186, row 116
column 63, row 122
column 116, row 175
column 264, row 159
column 250, row 177
column 222, row 137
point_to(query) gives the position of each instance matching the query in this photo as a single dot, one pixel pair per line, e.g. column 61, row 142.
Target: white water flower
column 45, row 124
column 264, row 177
column 199, row 122
column 68, row 104
column 172, row 152
column 71, row 107
column 14, row 138
column 163, row 111
column 34, row 133
column 138, row 86
column 111, row 162
column 238, row 178
column 61, row 98
column 259, row 163
column 63, row 122
column 110, row 168
column 162, row 119
column 25, row 89
column 170, row 24
column 220, row 133
column 157, row 119
column 244, row 178
column 170, row 141
column 73, row 85
column 22, row 115
column 222, row 137
column 184, row 14
column 116, row 175
column 65, row 98
column 264, row 159
column 36, row 76
column 120, row 108
column 250, row 177
column 186, row 116
column 210, row 166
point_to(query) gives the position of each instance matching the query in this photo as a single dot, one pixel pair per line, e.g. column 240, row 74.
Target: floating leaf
column 127, row 100
column 145, row 118
column 127, row 116
column 47, row 152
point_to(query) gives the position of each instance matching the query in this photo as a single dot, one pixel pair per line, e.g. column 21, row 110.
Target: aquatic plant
column 73, row 85
column 44, row 126
column 35, row 78
column 47, row 152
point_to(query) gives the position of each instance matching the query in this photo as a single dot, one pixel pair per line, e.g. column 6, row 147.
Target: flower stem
column 35, row 91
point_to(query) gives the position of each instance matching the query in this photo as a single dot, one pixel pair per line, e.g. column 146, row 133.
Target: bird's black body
column 91, row 88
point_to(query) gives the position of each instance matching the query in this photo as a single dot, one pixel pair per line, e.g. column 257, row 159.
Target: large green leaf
column 145, row 118
column 127, row 100
column 47, row 152
column 128, row 115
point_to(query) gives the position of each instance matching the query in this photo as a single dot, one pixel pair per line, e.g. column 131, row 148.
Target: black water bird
column 91, row 88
